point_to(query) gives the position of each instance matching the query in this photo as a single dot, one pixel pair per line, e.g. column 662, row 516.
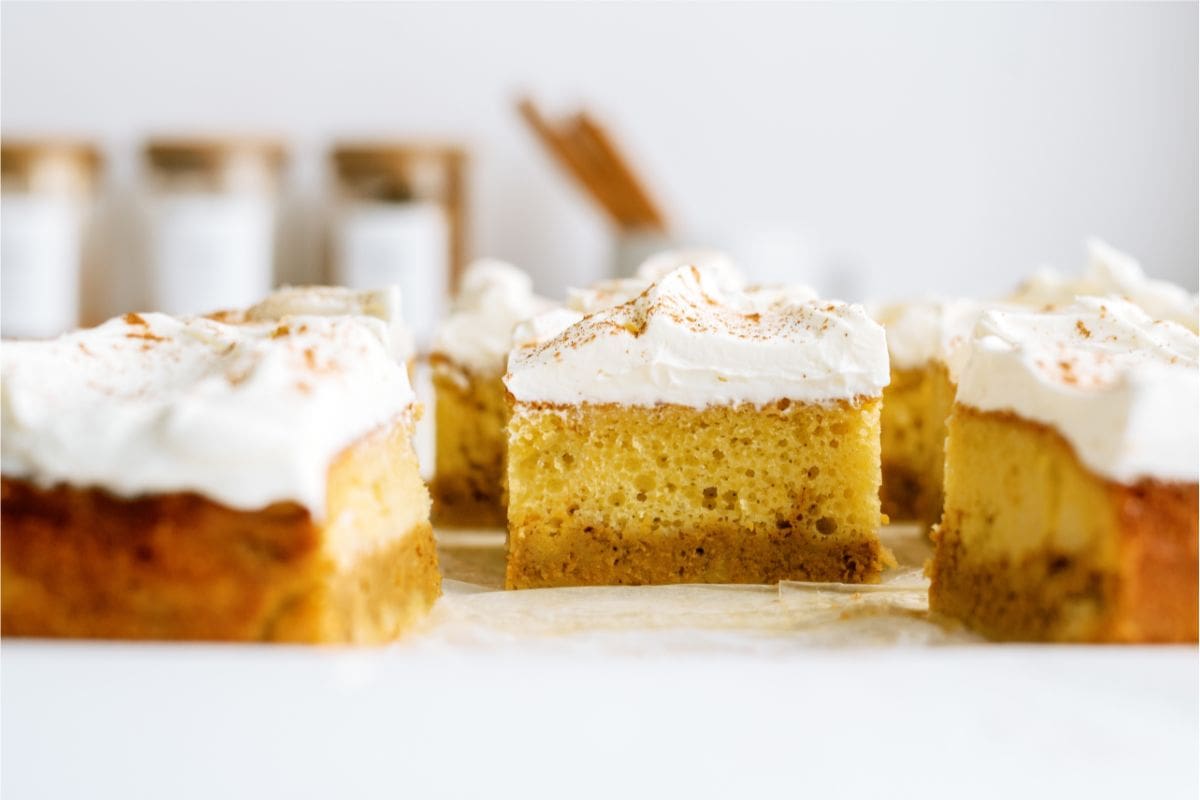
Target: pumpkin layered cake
column 1071, row 478
column 697, row 433
column 195, row 479
column 470, row 352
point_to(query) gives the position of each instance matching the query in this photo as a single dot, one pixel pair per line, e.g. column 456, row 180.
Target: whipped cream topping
column 331, row 301
column 1111, row 273
column 245, row 414
column 605, row 294
column 545, row 326
column 1122, row 388
column 687, row 341
column 929, row 331
column 493, row 298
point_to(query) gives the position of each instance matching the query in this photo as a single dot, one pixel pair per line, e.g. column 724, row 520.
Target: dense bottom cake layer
column 607, row 494
column 85, row 563
column 582, row 557
column 470, row 412
column 913, row 434
column 1034, row 546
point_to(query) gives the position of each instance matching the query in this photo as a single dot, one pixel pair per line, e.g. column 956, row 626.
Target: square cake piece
column 469, row 355
column 927, row 341
column 195, row 479
column 697, row 433
column 1071, row 478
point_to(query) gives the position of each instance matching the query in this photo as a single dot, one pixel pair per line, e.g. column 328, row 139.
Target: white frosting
column 687, row 341
column 929, row 331
column 493, row 298
column 605, row 294
column 328, row 301
column 245, row 414
column 1122, row 388
column 545, row 326
column 1114, row 274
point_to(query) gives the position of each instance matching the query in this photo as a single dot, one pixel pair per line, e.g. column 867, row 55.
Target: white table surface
column 526, row 694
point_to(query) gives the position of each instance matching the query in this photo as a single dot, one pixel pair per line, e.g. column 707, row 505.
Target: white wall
column 939, row 147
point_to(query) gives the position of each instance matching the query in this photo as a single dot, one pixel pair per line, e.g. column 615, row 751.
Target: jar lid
column 186, row 153
column 397, row 170
column 19, row 155
column 393, row 155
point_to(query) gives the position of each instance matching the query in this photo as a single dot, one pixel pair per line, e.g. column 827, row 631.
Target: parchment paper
column 475, row 610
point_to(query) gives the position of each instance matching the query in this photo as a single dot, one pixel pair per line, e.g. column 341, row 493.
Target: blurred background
column 872, row 150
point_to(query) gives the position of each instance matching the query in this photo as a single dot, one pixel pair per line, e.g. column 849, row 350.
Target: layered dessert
column 1071, row 478
column 173, row 478
column 696, row 433
column 470, row 352
column 927, row 340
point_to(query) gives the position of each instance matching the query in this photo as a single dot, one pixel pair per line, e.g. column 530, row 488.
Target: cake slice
column 926, row 342
column 1071, row 478
column 196, row 479
column 697, row 433
column 470, row 351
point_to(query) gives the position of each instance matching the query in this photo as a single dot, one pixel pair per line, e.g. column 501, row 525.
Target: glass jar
column 213, row 207
column 46, row 189
column 399, row 220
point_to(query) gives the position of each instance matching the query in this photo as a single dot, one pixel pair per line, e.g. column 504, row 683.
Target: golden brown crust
column 586, row 557
column 1135, row 581
column 1159, row 580
column 83, row 563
